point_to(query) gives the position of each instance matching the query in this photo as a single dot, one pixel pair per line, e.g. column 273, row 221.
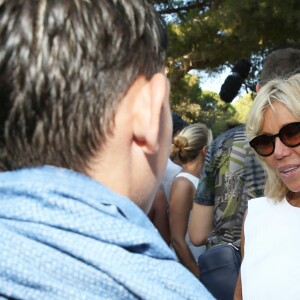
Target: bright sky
column 214, row 83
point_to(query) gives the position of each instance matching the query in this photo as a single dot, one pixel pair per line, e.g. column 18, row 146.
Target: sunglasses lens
column 290, row 134
column 263, row 145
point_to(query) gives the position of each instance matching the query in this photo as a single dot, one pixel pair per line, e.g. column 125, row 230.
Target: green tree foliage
column 210, row 35
column 243, row 106
column 195, row 105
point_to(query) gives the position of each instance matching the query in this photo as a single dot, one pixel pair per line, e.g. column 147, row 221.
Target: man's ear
column 149, row 105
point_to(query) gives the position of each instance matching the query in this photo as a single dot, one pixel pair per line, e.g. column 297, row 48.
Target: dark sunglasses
column 289, row 135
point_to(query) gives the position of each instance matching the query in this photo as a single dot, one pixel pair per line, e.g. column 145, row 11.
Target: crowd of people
column 101, row 199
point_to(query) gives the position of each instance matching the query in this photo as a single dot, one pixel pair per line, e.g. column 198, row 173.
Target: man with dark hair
column 178, row 123
column 288, row 64
column 85, row 131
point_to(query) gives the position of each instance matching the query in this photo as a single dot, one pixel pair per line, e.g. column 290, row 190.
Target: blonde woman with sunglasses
column 271, row 231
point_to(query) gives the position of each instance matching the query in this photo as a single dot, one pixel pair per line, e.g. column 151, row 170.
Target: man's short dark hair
column 178, row 123
column 64, row 67
column 280, row 63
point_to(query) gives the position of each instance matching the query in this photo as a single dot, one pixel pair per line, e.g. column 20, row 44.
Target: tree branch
column 186, row 8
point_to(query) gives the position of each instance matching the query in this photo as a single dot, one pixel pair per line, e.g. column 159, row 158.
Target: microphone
column 233, row 82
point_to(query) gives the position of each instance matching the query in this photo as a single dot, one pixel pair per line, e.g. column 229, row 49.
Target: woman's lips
column 287, row 170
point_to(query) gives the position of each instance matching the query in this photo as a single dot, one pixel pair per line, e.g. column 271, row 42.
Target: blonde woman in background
column 188, row 149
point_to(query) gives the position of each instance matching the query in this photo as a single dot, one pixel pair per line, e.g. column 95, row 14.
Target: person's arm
column 238, row 295
column 201, row 223
column 159, row 215
column 181, row 199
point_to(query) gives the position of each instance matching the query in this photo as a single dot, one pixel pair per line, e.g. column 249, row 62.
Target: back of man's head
column 280, row 63
column 64, row 67
column 178, row 123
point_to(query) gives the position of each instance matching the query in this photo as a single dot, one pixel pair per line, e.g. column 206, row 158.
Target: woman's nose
column 281, row 150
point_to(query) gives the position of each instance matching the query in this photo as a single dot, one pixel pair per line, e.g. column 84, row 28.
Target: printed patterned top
column 232, row 175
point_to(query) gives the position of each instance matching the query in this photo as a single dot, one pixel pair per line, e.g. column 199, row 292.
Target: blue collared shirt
column 66, row 236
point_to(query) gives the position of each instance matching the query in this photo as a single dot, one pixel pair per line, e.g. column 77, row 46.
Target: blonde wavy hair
column 287, row 92
column 188, row 143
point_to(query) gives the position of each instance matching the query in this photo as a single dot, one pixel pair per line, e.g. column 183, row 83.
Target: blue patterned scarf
column 65, row 236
